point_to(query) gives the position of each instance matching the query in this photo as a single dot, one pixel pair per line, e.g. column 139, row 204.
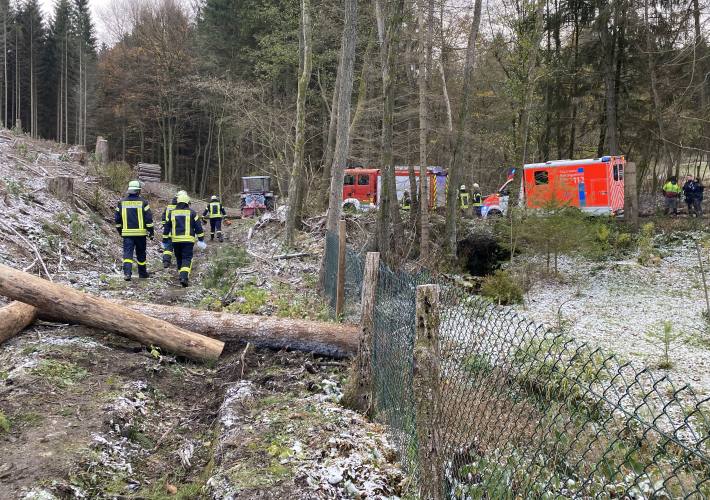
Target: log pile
column 148, row 172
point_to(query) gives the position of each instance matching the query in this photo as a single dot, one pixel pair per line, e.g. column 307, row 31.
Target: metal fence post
column 427, row 392
column 340, row 287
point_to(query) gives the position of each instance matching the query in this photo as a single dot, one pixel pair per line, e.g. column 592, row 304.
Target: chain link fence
column 525, row 412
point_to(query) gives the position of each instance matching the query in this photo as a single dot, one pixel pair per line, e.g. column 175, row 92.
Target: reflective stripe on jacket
column 183, row 225
column 133, row 216
column 215, row 210
column 464, row 200
column 477, row 199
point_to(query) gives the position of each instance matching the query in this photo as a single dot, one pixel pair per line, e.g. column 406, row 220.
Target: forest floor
column 88, row 414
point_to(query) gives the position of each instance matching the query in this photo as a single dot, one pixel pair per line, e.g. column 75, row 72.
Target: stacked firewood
column 148, row 172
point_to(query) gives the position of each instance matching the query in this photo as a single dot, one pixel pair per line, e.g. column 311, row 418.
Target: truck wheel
column 494, row 213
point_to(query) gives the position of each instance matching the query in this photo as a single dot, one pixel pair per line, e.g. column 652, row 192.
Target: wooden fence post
column 340, row 288
column 427, row 393
column 631, row 197
column 358, row 394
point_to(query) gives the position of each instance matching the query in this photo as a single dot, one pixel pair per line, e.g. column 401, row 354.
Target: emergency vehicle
column 362, row 187
column 595, row 186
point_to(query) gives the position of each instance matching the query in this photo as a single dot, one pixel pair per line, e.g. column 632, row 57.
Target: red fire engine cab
column 362, row 186
column 595, row 186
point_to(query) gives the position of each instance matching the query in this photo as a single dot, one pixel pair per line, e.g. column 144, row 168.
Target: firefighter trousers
column 137, row 244
column 183, row 257
column 216, row 227
column 167, row 251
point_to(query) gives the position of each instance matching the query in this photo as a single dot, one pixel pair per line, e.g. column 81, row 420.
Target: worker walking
column 464, row 199
column 167, row 242
column 215, row 211
column 184, row 227
column 134, row 221
column 671, row 191
column 477, row 200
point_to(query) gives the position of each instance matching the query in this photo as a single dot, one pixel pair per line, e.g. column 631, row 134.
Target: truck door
column 348, row 186
column 364, row 188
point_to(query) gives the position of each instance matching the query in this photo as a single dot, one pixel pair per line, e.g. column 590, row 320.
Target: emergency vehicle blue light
column 606, row 158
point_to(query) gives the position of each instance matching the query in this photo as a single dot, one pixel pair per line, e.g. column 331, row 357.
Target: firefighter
column 477, row 200
column 215, row 211
column 406, row 201
column 184, row 227
column 134, row 221
column 167, row 243
column 693, row 192
column 671, row 191
column 464, row 199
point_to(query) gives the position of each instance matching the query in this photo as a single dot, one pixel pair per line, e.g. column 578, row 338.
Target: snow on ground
column 621, row 306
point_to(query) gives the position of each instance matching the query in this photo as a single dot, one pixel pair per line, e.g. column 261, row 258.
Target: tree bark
column 15, row 317
column 330, row 145
column 101, row 150
column 295, row 189
column 326, row 339
column 457, row 156
column 423, row 78
column 342, row 146
column 72, row 305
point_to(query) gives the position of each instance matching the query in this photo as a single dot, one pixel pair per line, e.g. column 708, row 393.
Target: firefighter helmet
column 463, row 187
column 183, row 198
column 476, row 186
column 214, row 197
column 134, row 186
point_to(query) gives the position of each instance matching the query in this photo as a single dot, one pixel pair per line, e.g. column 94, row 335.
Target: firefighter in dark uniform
column 464, row 199
column 167, row 243
column 477, row 200
column 134, row 222
column 184, row 227
column 406, row 201
column 215, row 211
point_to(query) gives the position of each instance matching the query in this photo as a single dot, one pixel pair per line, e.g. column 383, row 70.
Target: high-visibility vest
column 406, row 203
column 215, row 208
column 674, row 189
column 464, row 200
column 133, row 216
column 184, row 226
column 477, row 199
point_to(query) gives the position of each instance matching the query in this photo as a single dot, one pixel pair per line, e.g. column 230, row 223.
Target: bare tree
column 295, row 189
column 457, row 156
column 423, row 77
column 335, row 199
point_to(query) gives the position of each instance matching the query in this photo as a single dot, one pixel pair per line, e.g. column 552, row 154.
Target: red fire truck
column 362, row 186
column 595, row 186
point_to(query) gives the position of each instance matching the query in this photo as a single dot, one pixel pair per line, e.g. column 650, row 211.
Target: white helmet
column 476, row 186
column 214, row 197
column 463, row 187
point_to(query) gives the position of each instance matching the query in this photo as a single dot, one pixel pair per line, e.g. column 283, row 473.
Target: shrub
column 249, row 300
column 624, row 241
column 116, row 175
column 502, row 288
column 228, row 258
column 647, row 254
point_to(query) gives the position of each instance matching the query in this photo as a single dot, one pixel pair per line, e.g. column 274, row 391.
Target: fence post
column 631, row 198
column 358, row 393
column 340, row 284
column 427, row 392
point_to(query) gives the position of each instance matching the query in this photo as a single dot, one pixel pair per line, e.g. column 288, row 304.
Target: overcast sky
column 97, row 6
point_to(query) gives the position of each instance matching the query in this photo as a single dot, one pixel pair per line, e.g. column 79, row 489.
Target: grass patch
column 4, row 423
column 60, row 373
column 249, row 300
column 219, row 272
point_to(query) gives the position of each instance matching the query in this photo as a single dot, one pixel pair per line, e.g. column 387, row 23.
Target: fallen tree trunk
column 327, row 339
column 14, row 318
column 67, row 304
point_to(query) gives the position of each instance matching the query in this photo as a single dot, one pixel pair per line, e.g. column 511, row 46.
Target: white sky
column 97, row 6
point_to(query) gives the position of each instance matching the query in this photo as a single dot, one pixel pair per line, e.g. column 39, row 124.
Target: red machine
column 362, row 186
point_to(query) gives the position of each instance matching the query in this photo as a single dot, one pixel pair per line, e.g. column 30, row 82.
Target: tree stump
column 101, row 150
column 62, row 188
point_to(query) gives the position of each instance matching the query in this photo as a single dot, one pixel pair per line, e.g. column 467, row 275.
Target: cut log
column 14, row 318
column 67, row 304
column 62, row 188
column 101, row 152
column 326, row 339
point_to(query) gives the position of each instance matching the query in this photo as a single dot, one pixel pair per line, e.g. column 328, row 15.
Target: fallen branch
column 59, row 302
column 30, row 245
column 291, row 255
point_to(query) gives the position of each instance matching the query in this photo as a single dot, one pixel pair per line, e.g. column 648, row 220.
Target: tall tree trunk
column 530, row 81
column 423, row 78
column 330, row 145
column 298, row 172
column 335, row 199
column 457, row 156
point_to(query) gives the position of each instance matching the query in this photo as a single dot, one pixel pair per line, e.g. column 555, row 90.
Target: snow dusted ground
column 621, row 306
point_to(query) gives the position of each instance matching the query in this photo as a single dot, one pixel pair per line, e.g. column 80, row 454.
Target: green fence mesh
column 525, row 412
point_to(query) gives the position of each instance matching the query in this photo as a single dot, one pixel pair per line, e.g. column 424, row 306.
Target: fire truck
column 362, row 187
column 595, row 186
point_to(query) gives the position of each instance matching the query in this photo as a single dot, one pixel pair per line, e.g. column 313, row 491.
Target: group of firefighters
column 692, row 191
column 466, row 200
column 182, row 228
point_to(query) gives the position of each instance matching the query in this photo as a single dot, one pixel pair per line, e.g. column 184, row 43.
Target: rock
column 334, row 475
column 171, row 489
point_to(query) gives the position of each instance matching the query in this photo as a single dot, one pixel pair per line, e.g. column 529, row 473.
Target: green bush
column 225, row 260
column 249, row 300
column 502, row 288
column 116, row 175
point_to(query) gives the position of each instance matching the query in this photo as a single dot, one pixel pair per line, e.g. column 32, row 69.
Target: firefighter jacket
column 183, row 225
column 133, row 216
column 477, row 199
column 464, row 200
column 406, row 202
column 671, row 190
column 215, row 210
column 166, row 214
